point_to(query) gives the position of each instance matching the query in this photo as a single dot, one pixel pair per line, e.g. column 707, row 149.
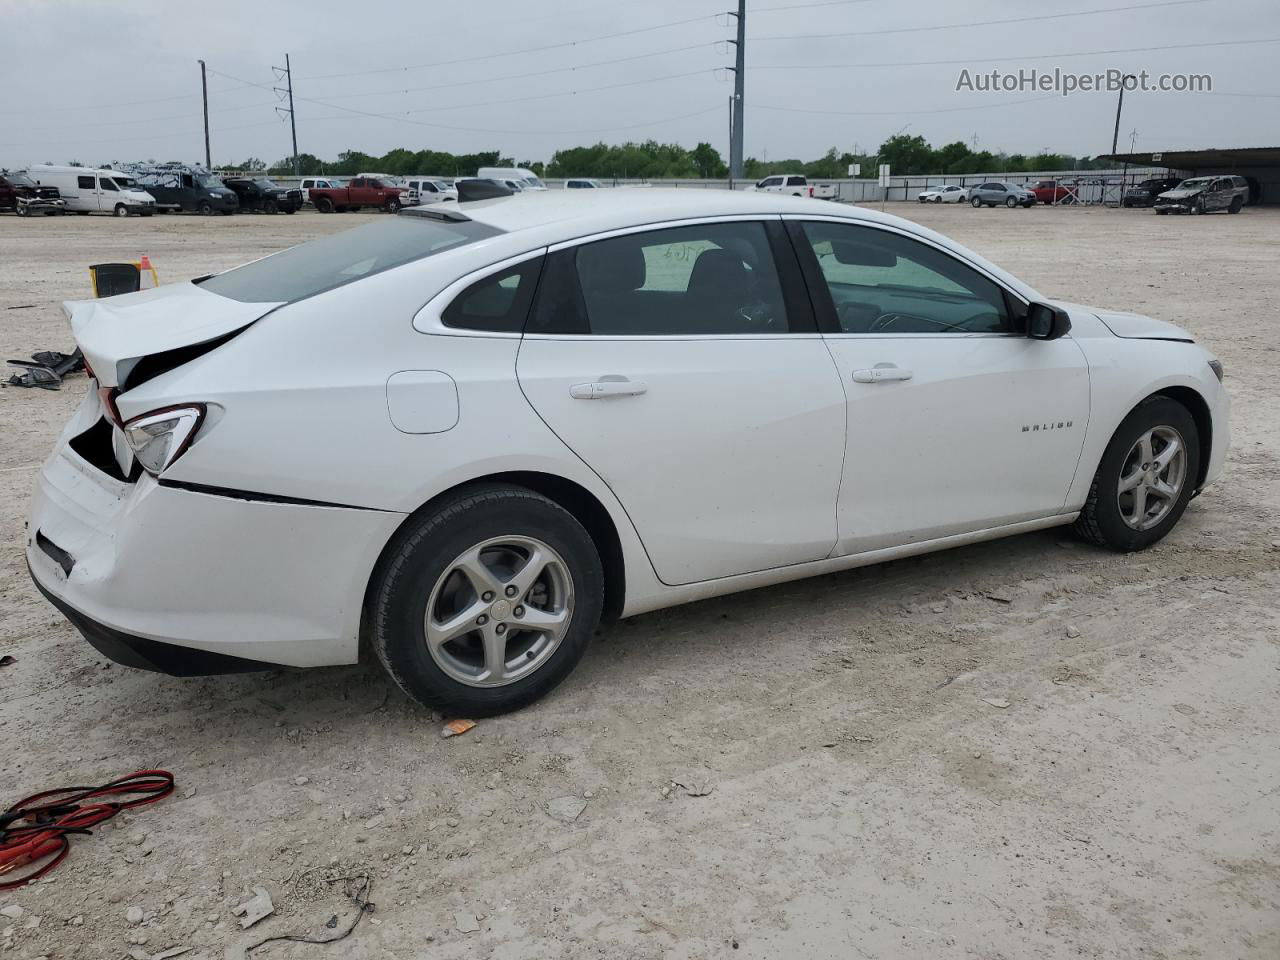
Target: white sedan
column 458, row 438
column 947, row 193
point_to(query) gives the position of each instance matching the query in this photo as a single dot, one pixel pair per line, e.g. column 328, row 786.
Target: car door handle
column 608, row 387
column 880, row 374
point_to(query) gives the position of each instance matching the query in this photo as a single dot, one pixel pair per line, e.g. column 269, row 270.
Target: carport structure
column 1259, row 165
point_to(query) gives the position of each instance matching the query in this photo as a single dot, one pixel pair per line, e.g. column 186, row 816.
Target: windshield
column 534, row 182
column 320, row 265
column 124, row 183
column 208, row 181
column 264, row 185
column 1195, row 184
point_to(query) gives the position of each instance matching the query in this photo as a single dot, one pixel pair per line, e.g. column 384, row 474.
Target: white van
column 529, row 178
column 89, row 190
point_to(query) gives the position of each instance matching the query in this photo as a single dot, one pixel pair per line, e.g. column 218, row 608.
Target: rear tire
column 1109, row 514
column 324, row 205
column 421, row 578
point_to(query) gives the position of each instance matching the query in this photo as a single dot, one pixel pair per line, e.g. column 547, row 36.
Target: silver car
column 998, row 193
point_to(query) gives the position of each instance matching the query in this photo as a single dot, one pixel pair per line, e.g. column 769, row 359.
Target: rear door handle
column 881, row 373
column 608, row 387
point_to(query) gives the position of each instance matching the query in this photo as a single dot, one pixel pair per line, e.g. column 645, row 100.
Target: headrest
column 717, row 271
column 612, row 266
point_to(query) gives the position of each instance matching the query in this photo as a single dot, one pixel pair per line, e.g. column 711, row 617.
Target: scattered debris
column 999, row 596
column 6, row 660
column 22, row 306
column 456, row 727
column 46, row 369
column 258, row 907
column 566, row 808
column 466, row 922
column 357, row 888
column 13, row 911
column 1000, row 703
column 170, row 953
column 301, row 781
column 1185, row 709
column 1072, row 631
column 694, row 787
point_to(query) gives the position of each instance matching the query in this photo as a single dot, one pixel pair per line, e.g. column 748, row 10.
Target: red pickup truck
column 1051, row 191
column 360, row 192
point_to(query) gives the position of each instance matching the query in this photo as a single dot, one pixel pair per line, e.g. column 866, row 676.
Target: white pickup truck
column 797, row 185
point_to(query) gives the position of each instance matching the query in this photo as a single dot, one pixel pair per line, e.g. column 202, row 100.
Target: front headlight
column 159, row 438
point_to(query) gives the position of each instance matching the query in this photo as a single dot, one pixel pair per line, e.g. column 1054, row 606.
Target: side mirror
column 1047, row 323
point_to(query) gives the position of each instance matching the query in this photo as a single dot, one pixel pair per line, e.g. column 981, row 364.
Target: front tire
column 975, row 203
column 1236, row 204
column 121, row 210
column 1146, row 478
column 488, row 602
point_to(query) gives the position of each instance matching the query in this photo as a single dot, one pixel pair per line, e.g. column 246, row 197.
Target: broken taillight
column 160, row 437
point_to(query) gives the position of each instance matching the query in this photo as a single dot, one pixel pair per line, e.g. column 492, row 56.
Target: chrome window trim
column 429, row 318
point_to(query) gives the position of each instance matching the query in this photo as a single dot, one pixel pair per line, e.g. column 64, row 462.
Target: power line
column 1015, row 57
column 115, row 104
column 906, row 113
column 512, row 53
column 523, row 76
column 980, row 23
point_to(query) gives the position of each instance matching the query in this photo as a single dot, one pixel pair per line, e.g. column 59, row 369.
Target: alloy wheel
column 499, row 611
column 1152, row 477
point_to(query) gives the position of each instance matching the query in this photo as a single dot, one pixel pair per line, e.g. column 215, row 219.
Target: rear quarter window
column 333, row 261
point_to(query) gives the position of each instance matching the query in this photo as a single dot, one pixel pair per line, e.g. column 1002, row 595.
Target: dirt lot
column 865, row 799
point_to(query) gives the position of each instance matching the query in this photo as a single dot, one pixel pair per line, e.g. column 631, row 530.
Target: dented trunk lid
column 116, row 333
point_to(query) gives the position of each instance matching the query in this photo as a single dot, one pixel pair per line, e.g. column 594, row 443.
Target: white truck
column 527, row 179
column 796, row 185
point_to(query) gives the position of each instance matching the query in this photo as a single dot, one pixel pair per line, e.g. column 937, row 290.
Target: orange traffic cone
column 147, row 276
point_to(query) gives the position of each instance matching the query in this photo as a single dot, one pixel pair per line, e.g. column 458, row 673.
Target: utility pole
column 1115, row 137
column 286, row 73
column 735, row 141
column 204, row 89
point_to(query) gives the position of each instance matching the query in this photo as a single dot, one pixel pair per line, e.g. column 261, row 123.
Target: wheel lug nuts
column 511, row 591
column 501, row 628
column 482, row 620
column 518, row 611
column 487, row 596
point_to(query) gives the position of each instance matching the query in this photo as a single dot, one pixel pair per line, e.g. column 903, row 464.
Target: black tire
column 1011, row 202
column 292, row 210
column 1161, row 212
column 324, row 205
column 20, row 209
column 1236, row 204
column 121, row 210
column 1100, row 521
column 975, row 203
column 204, row 208
column 392, row 205
column 422, row 553
column 269, row 206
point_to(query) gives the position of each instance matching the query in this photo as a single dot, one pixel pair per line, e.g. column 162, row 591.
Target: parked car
column 424, row 190
column 1205, row 195
column 796, row 185
column 528, row 179
column 1144, row 194
column 1052, row 191
column 581, row 183
column 180, row 186
column 261, row 195
column 360, row 192
column 89, row 190
column 946, row 193
column 597, row 412
column 24, row 196
column 323, row 183
column 998, row 193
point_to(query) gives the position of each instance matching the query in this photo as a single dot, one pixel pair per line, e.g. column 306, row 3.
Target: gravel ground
column 1028, row 748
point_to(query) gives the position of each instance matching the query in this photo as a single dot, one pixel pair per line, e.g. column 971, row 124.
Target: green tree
column 906, row 155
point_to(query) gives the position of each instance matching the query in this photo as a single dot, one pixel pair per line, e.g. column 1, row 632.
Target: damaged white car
column 457, row 439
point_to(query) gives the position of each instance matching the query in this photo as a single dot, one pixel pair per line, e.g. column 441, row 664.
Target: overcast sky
column 97, row 82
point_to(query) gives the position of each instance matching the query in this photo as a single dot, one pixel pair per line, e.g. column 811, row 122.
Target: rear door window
column 712, row 279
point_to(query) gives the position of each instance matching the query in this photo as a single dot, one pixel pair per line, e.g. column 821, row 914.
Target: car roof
column 546, row 217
